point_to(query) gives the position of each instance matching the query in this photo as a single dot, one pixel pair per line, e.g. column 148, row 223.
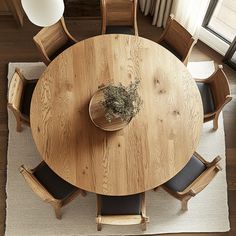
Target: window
column 230, row 56
column 220, row 19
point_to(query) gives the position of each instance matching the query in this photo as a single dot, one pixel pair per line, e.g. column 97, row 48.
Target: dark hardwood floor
column 16, row 45
column 82, row 8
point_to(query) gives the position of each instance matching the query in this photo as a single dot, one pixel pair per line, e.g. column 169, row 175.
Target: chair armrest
column 119, row 219
column 190, row 192
column 203, row 180
column 36, row 186
column 214, row 162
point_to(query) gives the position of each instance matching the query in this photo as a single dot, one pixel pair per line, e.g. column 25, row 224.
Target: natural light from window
column 223, row 20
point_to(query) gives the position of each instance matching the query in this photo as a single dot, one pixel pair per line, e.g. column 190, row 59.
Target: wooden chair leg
column 143, row 226
column 215, row 123
column 155, row 189
column 57, row 210
column 83, row 193
column 184, row 203
column 18, row 126
column 99, row 225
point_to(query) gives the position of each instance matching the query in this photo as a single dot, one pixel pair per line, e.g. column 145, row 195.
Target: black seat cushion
column 121, row 205
column 187, row 175
column 119, row 29
column 68, row 44
column 207, row 98
column 171, row 49
column 58, row 187
column 26, row 99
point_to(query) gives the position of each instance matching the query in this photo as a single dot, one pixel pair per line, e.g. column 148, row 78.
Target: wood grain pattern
column 177, row 39
column 4, row 9
column 82, row 9
column 16, row 92
column 156, row 144
column 52, row 39
column 16, row 10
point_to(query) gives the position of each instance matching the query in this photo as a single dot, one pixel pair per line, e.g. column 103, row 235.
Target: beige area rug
column 27, row 215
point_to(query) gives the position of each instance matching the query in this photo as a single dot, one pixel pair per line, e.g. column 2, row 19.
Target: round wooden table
column 151, row 149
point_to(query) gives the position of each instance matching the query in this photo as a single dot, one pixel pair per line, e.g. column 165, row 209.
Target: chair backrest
column 120, row 205
column 212, row 168
column 35, row 185
column 52, row 38
column 119, row 12
column 178, row 38
column 15, row 92
column 219, row 87
column 191, row 186
column 122, row 210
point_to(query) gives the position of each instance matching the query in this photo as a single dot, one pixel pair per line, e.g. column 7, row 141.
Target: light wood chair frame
column 39, row 44
column 192, row 41
column 215, row 115
column 44, row 194
column 15, row 92
column 122, row 219
column 212, row 168
column 104, row 16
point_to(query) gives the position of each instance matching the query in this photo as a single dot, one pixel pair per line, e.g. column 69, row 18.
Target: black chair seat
column 26, row 98
column 119, row 30
column 58, row 187
column 121, row 205
column 207, row 98
column 171, row 49
column 187, row 175
column 62, row 49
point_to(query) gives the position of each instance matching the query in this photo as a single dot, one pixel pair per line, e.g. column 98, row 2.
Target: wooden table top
column 151, row 149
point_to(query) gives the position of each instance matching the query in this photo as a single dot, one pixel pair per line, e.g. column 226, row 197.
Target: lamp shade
column 43, row 12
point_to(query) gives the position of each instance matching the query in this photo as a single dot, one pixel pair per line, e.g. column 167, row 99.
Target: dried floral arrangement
column 121, row 101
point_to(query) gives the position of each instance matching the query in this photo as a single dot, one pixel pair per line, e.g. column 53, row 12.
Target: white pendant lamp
column 43, row 12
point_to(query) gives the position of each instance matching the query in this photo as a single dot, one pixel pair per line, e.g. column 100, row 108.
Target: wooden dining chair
column 119, row 17
column 53, row 40
column 50, row 187
column 192, row 179
column 215, row 94
column 121, row 210
column 177, row 40
column 19, row 98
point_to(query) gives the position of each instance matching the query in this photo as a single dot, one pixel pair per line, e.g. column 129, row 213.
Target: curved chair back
column 50, row 187
column 15, row 98
column 52, row 40
column 215, row 93
column 177, row 39
column 219, row 87
column 35, row 185
column 119, row 13
column 121, row 210
column 192, row 179
column 15, row 91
